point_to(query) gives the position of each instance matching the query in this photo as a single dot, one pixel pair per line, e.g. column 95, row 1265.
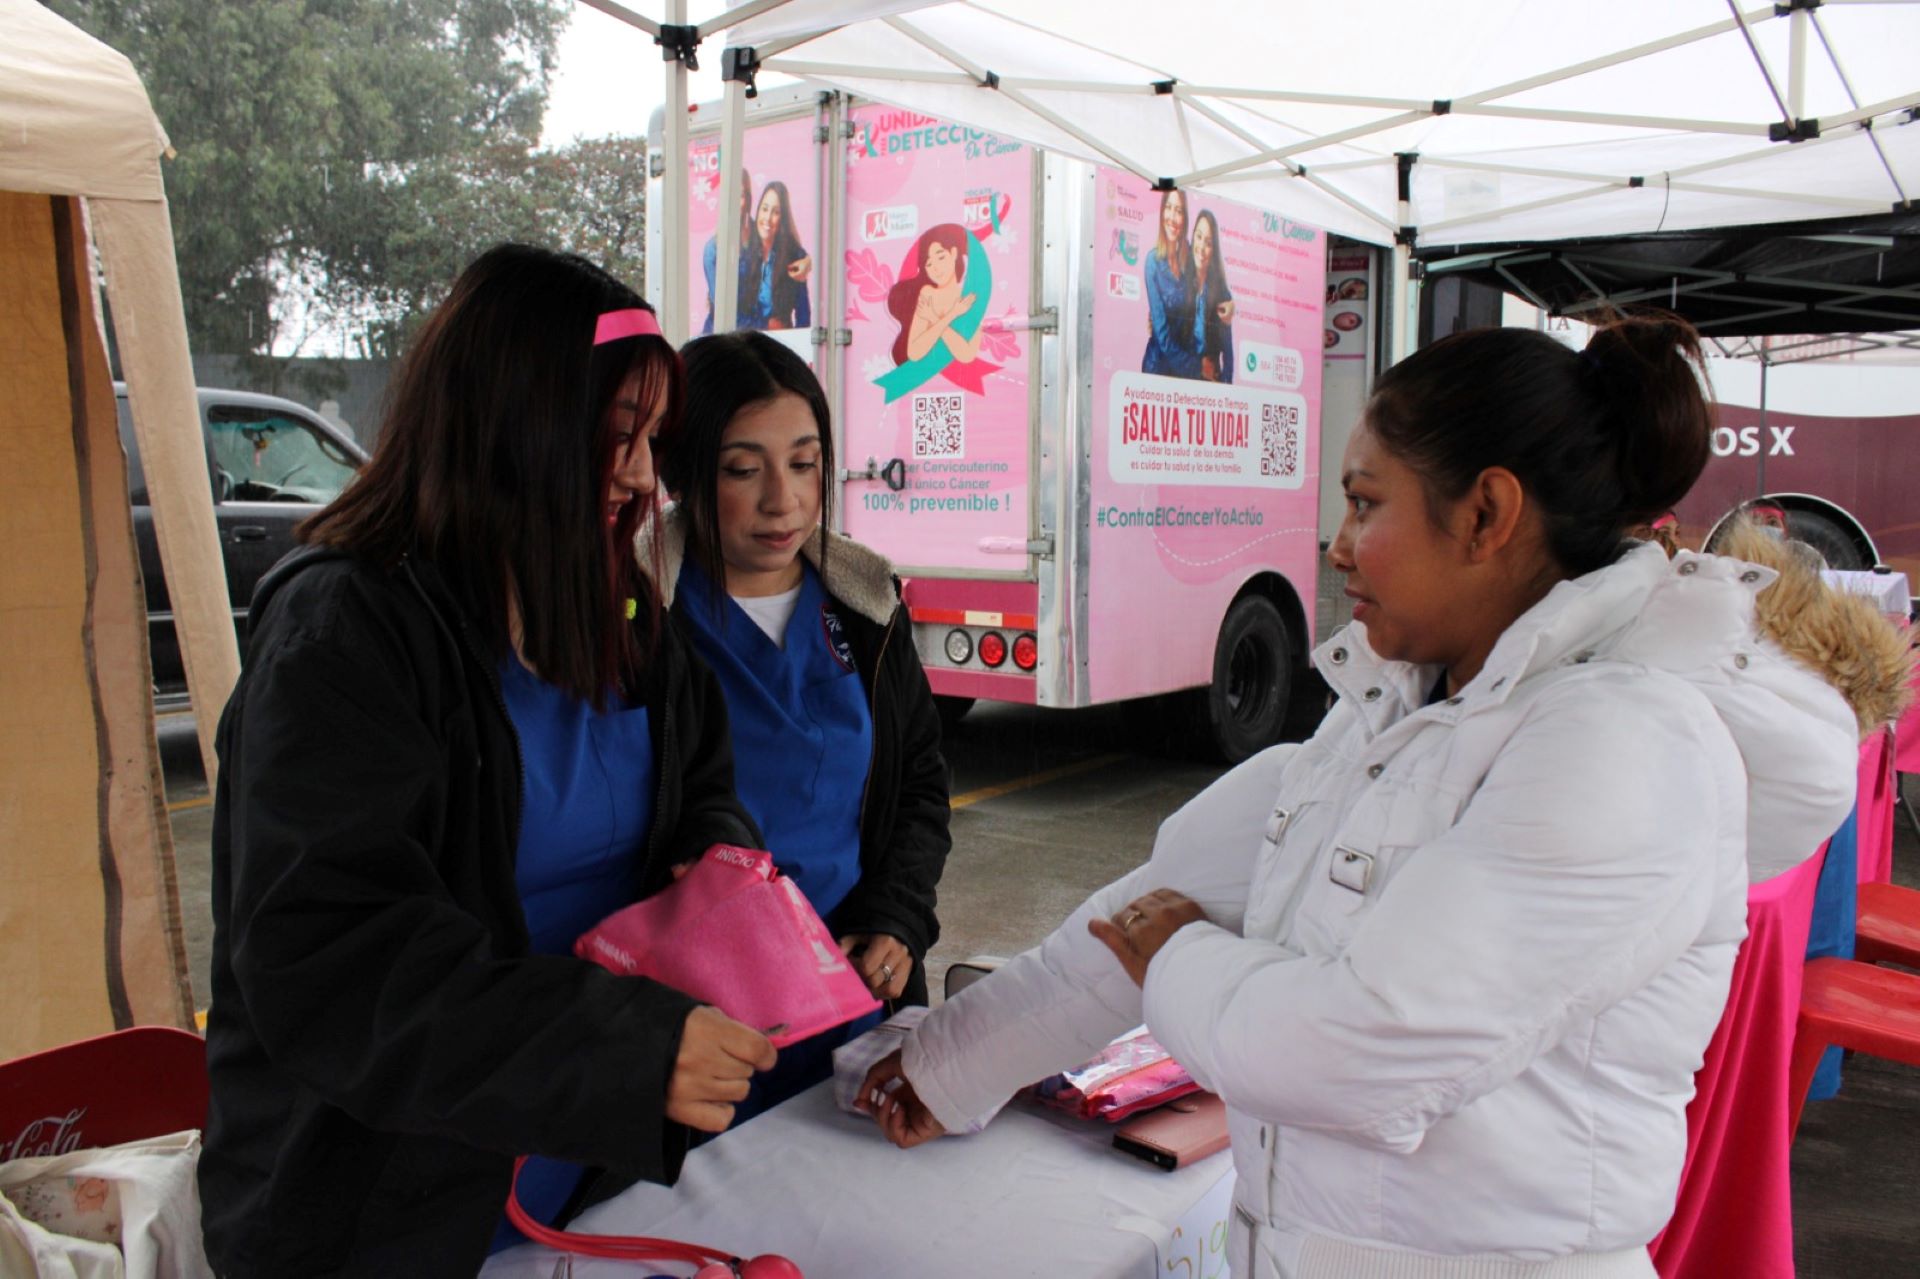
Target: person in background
column 778, row 290
column 774, row 267
column 1453, row 962
column 834, row 727
column 463, row 736
column 1214, row 300
column 1175, row 325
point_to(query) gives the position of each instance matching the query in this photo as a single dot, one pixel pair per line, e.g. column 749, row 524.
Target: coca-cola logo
column 53, row 1135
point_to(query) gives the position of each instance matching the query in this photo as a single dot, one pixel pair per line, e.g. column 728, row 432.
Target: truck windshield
column 265, row 456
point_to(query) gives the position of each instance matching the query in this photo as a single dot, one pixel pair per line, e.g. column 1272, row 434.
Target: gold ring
column 1133, row 917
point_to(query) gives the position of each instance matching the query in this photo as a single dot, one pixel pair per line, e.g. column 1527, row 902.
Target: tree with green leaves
column 338, row 161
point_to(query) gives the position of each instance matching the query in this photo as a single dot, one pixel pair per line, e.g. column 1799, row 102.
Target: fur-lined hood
column 860, row 578
column 1840, row 637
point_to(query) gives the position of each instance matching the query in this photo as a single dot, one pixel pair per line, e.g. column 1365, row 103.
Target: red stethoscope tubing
column 616, row 1247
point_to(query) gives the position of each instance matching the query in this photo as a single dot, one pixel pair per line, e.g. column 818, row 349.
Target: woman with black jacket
column 462, row 737
column 835, row 735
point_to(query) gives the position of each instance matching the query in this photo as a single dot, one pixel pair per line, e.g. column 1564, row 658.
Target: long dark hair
column 785, row 251
column 904, row 296
column 1600, row 439
column 1211, row 291
column 495, row 458
column 726, row 373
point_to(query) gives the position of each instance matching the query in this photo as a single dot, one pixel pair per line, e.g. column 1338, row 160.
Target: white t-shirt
column 771, row 613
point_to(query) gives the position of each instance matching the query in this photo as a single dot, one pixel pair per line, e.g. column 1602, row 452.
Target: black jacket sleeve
column 361, row 971
column 902, row 859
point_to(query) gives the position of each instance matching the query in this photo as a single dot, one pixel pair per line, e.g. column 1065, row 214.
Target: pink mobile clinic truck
column 1079, row 413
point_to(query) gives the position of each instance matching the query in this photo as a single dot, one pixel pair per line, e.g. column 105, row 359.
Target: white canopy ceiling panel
column 1528, row 119
column 799, row 17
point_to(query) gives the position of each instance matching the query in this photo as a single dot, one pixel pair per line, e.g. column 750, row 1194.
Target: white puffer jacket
column 1462, row 959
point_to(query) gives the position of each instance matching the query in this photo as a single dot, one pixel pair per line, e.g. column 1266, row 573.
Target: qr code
column 939, row 425
column 1280, row 439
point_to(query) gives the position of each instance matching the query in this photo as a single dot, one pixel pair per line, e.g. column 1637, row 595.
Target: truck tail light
column 1026, row 652
column 993, row 648
column 959, row 647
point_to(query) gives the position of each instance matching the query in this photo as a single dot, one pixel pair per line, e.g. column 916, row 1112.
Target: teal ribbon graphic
column 915, row 374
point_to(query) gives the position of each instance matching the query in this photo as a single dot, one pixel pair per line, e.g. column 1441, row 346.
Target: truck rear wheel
column 1826, row 536
column 1243, row 711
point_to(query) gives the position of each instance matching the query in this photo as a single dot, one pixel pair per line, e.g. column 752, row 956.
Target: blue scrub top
column 802, row 730
column 586, row 808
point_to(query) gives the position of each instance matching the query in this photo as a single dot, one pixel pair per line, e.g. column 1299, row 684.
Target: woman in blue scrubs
column 835, row 737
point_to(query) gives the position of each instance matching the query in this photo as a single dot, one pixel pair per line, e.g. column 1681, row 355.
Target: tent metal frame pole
column 1760, row 60
column 625, row 15
column 1846, row 84
column 841, row 71
column 1677, row 40
column 1220, row 118
column 673, row 192
column 1738, row 128
column 1334, row 191
column 986, row 78
column 744, row 11
column 1273, row 154
column 728, row 230
column 1406, row 311
column 1797, row 63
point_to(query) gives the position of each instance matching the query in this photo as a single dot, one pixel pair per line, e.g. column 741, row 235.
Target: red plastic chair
column 129, row 1085
column 1887, row 927
column 1858, row 1006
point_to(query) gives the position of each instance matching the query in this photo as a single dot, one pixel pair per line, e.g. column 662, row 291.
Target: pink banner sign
column 938, row 289
column 777, row 277
column 1207, row 319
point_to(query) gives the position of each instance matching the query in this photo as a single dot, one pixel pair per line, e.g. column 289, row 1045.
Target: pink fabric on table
column 1878, row 791
column 1734, row 1214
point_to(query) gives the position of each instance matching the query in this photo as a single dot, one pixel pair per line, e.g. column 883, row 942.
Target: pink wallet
column 1179, row 1133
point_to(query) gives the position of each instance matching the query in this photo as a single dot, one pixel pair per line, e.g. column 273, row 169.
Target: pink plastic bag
column 1131, row 1074
column 735, row 933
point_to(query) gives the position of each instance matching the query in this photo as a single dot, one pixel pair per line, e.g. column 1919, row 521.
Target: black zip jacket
column 380, row 1042
column 904, row 811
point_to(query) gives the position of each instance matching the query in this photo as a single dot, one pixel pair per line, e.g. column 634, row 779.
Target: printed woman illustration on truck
column 1175, row 330
column 1213, row 299
column 939, row 303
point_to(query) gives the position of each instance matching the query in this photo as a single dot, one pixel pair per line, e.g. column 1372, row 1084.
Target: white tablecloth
column 1033, row 1195
column 1889, row 591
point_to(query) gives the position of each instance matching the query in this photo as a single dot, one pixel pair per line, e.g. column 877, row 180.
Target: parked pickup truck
column 270, row 464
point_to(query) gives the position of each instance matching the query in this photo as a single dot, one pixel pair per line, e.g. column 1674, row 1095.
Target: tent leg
column 673, row 193
column 733, row 159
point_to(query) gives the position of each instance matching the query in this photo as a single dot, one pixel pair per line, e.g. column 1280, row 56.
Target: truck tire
column 1245, row 708
column 1825, row 535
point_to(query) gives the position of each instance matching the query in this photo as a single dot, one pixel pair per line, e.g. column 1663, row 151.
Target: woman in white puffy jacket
column 1453, row 962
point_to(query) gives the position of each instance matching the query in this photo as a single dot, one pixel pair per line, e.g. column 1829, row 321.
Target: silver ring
column 1133, row 917
column 886, row 972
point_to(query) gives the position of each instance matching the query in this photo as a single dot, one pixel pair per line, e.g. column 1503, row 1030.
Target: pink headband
column 634, row 322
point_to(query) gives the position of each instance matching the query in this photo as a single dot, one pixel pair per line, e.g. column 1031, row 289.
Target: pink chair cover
column 1906, row 736
column 1878, row 792
column 1734, row 1214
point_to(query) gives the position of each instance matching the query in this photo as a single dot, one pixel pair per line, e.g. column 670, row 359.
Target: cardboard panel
column 84, row 855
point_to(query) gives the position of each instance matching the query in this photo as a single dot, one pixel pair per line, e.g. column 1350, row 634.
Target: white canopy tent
column 1398, row 122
